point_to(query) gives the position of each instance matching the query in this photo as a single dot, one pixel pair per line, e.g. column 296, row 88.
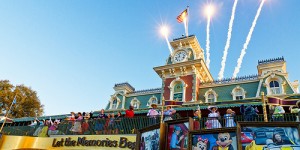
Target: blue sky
column 73, row 52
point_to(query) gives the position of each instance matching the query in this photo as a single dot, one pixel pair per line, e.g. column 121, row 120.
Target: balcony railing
column 131, row 125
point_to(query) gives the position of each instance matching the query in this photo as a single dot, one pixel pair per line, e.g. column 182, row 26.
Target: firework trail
column 207, row 43
column 223, row 63
column 169, row 45
column 243, row 52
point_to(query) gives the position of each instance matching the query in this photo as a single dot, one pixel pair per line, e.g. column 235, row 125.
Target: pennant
column 183, row 15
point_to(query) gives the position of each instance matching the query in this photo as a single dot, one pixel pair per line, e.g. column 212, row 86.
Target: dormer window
column 274, row 87
column 135, row 103
column 114, row 104
column 274, row 84
column 210, row 96
column 152, row 100
column 238, row 93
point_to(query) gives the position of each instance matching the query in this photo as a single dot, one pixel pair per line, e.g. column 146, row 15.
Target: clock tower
column 184, row 70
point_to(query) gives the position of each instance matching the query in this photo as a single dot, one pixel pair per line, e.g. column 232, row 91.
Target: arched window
column 135, row 103
column 274, row 87
column 238, row 93
column 178, row 91
column 114, row 104
column 210, row 96
column 152, row 100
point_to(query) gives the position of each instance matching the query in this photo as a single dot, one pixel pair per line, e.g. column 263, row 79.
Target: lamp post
column 264, row 107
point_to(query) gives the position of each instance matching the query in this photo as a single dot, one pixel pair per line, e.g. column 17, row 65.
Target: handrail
column 131, row 125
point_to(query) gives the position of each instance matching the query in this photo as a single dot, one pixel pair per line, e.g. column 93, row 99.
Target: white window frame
column 210, row 91
column 135, row 100
column 234, row 93
column 114, row 97
column 274, row 77
column 150, row 101
column 171, row 87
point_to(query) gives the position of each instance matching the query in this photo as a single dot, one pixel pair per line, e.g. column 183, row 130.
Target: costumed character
column 175, row 139
column 168, row 113
column 278, row 113
column 229, row 118
column 249, row 112
column 223, row 142
column 296, row 109
column 212, row 120
column 202, row 144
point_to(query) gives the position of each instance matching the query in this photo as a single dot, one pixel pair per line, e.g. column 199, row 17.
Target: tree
column 27, row 101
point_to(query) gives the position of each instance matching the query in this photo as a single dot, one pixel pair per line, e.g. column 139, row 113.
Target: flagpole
column 187, row 22
column 162, row 126
column 6, row 114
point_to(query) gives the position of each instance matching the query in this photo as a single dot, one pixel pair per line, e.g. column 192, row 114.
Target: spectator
column 107, row 122
column 99, row 126
column 53, row 127
column 229, row 118
column 129, row 113
column 168, row 113
column 111, row 124
column 118, row 122
column 77, row 125
column 249, row 113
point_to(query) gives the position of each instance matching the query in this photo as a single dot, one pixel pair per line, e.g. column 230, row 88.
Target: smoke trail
column 243, row 52
column 207, row 43
column 169, row 45
column 223, row 63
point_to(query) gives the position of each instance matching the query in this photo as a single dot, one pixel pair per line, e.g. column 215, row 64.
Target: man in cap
column 175, row 139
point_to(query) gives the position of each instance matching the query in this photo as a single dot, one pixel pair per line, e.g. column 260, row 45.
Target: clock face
column 180, row 56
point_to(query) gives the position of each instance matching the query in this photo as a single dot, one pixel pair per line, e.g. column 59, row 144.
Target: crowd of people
column 109, row 123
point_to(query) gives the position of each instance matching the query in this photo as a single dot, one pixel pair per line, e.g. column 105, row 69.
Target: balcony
column 126, row 125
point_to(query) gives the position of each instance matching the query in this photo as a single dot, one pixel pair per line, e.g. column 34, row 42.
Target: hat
column 152, row 105
column 210, row 107
column 177, row 128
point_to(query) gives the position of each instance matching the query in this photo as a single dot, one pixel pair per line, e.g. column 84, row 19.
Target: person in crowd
column 118, row 122
column 76, row 129
column 53, row 129
column 175, row 138
column 44, row 131
column 111, row 124
column 39, row 128
column 107, row 123
column 72, row 117
column 129, row 113
column 168, row 113
column 212, row 120
column 229, row 118
column 100, row 122
column 91, row 114
column 278, row 113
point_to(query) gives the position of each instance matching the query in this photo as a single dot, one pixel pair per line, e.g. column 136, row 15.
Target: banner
column 107, row 142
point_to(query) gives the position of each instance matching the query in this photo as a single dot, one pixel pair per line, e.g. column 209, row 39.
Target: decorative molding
column 210, row 91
